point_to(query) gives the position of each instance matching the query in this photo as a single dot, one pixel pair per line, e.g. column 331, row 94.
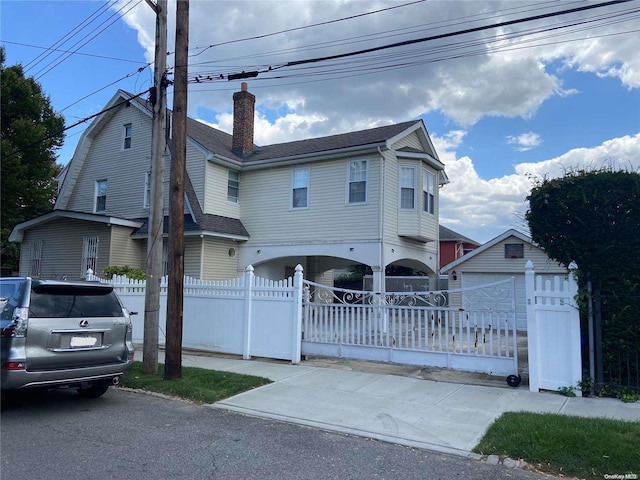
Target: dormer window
column 127, row 136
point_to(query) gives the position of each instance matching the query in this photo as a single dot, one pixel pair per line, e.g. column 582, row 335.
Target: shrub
column 125, row 270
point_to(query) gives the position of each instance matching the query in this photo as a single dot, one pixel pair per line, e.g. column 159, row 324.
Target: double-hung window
column 408, row 188
column 357, row 181
column 233, row 187
column 147, row 190
column 100, row 196
column 300, row 188
column 428, row 191
column 128, row 130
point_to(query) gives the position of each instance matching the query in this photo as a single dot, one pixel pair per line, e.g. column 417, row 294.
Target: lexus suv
column 62, row 334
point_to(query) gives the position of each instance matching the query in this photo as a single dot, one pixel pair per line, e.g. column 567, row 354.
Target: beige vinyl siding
column 266, row 205
column 196, row 164
column 492, row 260
column 216, row 192
column 124, row 170
column 412, row 140
column 124, row 250
column 217, row 264
column 192, row 256
column 62, row 247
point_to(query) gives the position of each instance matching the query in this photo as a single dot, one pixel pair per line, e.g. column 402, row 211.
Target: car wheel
column 93, row 392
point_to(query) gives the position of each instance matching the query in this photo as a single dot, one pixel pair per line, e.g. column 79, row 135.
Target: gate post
column 248, row 287
column 532, row 328
column 297, row 315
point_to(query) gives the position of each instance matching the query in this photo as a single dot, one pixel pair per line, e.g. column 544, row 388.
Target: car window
column 71, row 304
column 11, row 293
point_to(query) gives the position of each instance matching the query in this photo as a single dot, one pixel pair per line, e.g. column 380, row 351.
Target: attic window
column 514, row 250
column 127, row 136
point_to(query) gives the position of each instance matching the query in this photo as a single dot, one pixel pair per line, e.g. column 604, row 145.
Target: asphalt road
column 124, row 434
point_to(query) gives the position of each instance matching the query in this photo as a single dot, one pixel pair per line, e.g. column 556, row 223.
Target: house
column 503, row 257
column 367, row 197
column 454, row 245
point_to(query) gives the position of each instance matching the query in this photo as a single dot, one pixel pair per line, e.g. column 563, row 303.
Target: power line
column 40, row 75
column 70, row 51
column 257, row 37
column 255, row 71
column 47, row 137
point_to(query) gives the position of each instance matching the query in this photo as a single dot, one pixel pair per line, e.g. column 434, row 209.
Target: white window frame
column 300, row 179
column 147, row 190
column 89, row 255
column 127, row 136
column 428, row 192
column 407, row 185
column 231, row 198
column 98, row 194
column 35, row 260
column 355, row 176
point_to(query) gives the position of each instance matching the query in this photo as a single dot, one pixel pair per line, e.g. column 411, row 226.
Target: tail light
column 18, row 326
column 127, row 316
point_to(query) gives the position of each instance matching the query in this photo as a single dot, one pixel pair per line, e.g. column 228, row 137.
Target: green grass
column 587, row 448
column 197, row 384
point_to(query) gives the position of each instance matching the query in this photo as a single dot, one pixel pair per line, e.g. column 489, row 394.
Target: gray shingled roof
column 448, row 234
column 219, row 142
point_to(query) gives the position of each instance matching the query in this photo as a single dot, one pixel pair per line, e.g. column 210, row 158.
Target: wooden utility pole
column 173, row 352
column 156, row 200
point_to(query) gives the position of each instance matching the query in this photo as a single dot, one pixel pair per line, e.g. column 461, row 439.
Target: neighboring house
column 503, row 257
column 453, row 245
column 367, row 197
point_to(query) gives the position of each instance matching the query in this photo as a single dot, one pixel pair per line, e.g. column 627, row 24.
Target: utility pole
column 173, row 351
column 156, row 200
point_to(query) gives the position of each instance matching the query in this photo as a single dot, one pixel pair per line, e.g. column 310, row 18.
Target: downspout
column 382, row 213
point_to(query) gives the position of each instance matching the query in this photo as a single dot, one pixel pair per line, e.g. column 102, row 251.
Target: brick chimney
column 243, row 110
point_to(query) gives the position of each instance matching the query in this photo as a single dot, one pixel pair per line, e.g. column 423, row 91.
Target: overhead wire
column 40, row 73
column 269, row 69
column 48, row 51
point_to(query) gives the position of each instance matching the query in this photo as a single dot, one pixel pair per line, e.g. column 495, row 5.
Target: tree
column 593, row 218
column 31, row 133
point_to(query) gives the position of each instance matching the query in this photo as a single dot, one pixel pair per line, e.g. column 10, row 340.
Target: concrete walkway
column 441, row 416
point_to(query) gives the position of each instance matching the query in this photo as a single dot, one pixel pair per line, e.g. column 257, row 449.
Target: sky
column 504, row 106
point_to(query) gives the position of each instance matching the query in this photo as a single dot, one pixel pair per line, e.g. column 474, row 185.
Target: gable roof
column 446, row 234
column 18, row 231
column 488, row 245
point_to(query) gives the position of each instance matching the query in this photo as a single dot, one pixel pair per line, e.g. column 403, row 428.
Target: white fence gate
column 553, row 325
column 248, row 316
column 414, row 328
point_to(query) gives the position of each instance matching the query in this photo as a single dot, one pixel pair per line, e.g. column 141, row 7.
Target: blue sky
column 496, row 117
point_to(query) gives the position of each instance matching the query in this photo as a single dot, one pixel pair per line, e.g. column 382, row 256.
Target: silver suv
column 62, row 334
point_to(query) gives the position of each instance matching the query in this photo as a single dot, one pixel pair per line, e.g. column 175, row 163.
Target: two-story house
column 367, row 197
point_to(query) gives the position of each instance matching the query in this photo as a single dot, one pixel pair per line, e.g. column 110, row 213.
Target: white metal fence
column 414, row 328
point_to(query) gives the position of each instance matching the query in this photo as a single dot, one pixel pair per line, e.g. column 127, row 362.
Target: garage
column 499, row 259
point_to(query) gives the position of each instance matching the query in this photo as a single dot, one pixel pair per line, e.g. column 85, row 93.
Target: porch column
column 379, row 280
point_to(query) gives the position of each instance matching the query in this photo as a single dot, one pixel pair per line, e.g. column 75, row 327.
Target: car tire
column 94, row 391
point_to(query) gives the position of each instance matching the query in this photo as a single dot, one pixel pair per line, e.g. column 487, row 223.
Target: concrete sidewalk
column 440, row 416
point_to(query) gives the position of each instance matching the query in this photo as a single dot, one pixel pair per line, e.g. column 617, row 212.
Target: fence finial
column 573, row 266
column 529, row 265
column 298, row 268
column 249, row 268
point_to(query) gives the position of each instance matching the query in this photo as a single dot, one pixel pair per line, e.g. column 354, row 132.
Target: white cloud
column 482, row 209
column 467, row 88
column 524, row 141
